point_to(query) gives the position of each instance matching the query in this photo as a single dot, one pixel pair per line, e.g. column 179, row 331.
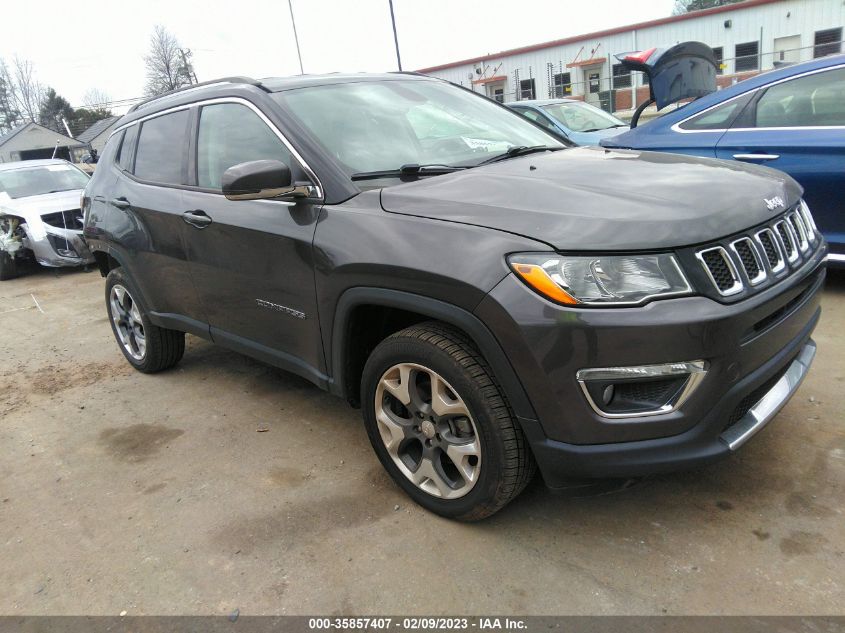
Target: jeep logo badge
column 774, row 203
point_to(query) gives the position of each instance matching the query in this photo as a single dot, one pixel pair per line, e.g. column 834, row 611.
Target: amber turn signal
column 540, row 281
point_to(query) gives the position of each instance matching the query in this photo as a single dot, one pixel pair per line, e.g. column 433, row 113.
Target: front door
column 252, row 260
column 496, row 90
column 798, row 126
column 592, row 82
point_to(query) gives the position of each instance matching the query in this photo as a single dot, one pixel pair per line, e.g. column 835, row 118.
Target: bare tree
column 9, row 115
column 167, row 63
column 25, row 94
column 95, row 98
column 688, row 6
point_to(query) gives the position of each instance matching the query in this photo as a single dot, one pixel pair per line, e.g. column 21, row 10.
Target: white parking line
column 36, row 303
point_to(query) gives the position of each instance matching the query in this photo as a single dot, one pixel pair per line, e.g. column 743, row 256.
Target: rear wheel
column 440, row 424
column 8, row 266
column 147, row 347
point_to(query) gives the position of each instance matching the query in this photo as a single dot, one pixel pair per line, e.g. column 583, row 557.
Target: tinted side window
column 127, row 148
column 161, row 148
column 719, row 118
column 817, row 99
column 229, row 134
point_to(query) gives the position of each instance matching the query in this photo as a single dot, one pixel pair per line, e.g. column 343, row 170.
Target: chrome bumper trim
column 768, row 406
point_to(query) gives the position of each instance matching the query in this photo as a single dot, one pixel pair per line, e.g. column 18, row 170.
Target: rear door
column 252, row 260
column 147, row 218
column 798, row 126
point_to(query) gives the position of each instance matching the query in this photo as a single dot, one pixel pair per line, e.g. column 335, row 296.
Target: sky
column 101, row 45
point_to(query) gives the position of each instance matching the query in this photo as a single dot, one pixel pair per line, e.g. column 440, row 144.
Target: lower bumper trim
column 768, row 406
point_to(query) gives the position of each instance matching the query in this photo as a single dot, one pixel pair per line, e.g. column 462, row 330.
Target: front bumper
column 757, row 350
column 44, row 243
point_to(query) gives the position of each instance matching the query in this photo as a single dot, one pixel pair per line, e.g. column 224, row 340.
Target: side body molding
column 448, row 313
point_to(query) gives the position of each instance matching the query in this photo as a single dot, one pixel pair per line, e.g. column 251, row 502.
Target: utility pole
column 395, row 37
column 189, row 69
column 295, row 37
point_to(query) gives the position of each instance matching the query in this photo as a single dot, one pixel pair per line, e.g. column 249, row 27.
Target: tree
column 54, row 108
column 688, row 6
column 95, row 99
column 9, row 114
column 24, row 92
column 168, row 65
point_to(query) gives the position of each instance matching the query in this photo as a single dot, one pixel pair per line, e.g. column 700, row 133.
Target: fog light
column 624, row 392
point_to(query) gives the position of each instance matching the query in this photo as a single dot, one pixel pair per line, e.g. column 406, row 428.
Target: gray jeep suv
column 493, row 300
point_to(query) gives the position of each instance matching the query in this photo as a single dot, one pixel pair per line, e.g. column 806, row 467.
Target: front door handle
column 754, row 158
column 197, row 218
column 120, row 203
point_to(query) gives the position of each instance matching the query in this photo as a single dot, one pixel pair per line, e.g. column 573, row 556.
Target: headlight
column 601, row 279
column 808, row 220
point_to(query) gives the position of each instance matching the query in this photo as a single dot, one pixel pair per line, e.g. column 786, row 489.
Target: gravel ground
column 226, row 484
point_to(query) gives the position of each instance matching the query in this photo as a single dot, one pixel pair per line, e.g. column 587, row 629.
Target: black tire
column 506, row 462
column 8, row 266
column 163, row 348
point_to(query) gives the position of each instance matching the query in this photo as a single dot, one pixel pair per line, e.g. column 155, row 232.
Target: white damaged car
column 40, row 216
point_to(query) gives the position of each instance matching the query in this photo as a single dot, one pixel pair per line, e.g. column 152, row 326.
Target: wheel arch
column 347, row 361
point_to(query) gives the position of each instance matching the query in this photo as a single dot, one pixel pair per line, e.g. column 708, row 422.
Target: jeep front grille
column 751, row 258
column 721, row 270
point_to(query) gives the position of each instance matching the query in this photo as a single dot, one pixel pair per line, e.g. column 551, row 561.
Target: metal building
column 748, row 37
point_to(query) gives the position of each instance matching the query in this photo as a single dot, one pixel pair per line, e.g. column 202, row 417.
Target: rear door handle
column 120, row 203
column 756, row 157
column 197, row 218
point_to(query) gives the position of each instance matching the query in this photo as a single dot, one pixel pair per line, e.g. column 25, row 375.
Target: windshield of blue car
column 582, row 117
column 34, row 181
column 371, row 126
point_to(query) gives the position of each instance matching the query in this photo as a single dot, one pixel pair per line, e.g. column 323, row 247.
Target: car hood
column 592, row 198
column 32, row 207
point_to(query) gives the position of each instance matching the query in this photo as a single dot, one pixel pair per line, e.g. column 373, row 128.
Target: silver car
column 40, row 216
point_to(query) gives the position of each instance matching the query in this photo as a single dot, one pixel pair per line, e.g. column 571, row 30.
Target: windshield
column 582, row 117
column 382, row 125
column 33, row 181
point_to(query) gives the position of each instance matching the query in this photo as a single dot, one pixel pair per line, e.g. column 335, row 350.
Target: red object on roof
column 592, row 36
column 641, row 57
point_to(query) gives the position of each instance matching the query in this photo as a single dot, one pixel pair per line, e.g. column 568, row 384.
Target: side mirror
column 260, row 179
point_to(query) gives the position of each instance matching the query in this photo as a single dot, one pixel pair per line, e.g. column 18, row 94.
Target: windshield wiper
column 59, row 190
column 411, row 169
column 520, row 150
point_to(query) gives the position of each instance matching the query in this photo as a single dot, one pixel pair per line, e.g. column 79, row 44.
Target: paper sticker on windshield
column 482, row 143
column 58, row 168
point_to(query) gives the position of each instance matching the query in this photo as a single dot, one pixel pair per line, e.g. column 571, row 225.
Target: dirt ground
column 226, row 484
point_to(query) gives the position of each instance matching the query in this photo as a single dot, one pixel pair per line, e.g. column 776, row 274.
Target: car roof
column 20, row 164
column 278, row 84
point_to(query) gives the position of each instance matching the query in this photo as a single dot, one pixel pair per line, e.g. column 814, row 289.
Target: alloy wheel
column 127, row 322
column 428, row 430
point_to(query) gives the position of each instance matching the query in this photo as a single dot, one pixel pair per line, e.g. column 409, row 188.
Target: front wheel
column 147, row 347
column 440, row 424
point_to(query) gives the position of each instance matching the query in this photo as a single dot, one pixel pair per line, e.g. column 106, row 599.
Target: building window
column 746, row 56
column 828, row 42
column 718, row 53
column 526, row 89
column 562, row 85
column 621, row 76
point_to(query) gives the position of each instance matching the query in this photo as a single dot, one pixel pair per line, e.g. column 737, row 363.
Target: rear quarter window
column 720, row 117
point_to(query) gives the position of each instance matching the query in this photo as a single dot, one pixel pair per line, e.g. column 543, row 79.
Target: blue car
column 579, row 122
column 791, row 118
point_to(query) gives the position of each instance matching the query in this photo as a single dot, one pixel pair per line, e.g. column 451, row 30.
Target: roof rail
column 222, row 80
